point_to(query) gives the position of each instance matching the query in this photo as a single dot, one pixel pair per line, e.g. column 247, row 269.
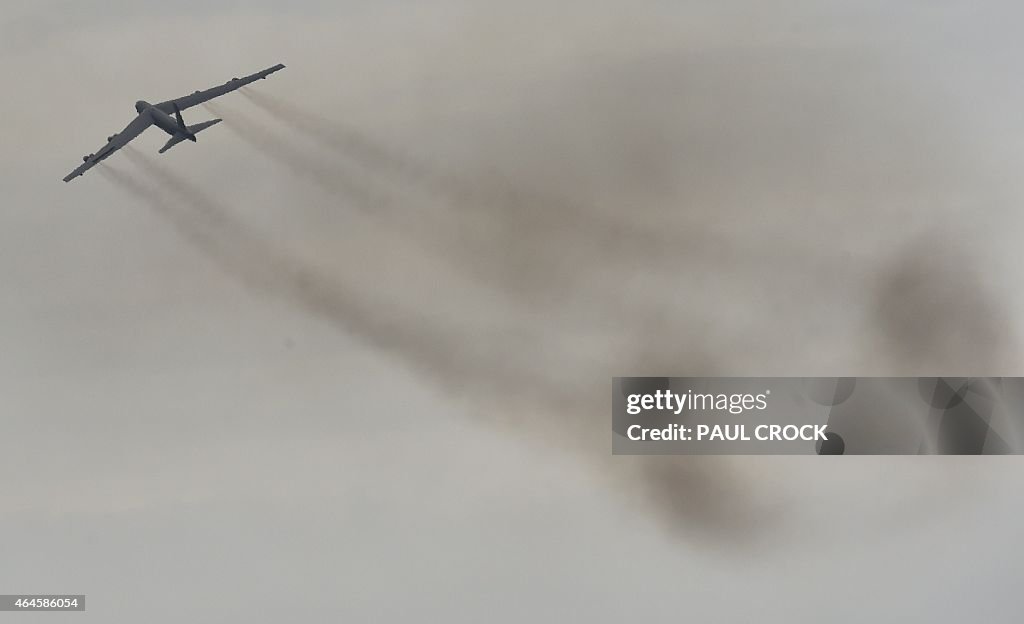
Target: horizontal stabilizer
column 194, row 129
column 197, row 128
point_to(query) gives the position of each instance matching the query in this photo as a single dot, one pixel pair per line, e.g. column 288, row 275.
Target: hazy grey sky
column 375, row 388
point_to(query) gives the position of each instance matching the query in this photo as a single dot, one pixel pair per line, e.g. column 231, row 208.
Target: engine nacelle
column 111, row 138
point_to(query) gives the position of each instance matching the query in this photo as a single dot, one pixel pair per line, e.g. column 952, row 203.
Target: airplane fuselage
column 161, row 119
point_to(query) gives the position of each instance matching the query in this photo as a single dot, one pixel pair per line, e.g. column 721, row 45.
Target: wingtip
column 270, row 70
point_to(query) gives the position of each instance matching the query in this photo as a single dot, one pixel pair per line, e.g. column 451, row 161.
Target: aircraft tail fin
column 181, row 122
column 194, row 130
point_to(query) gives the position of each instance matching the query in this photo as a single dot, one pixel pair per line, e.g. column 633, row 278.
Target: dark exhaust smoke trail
column 249, row 256
column 191, row 228
column 414, row 226
column 659, row 476
column 536, row 252
column 407, row 214
column 513, row 205
column 936, row 312
column 469, row 197
column 471, row 242
column 688, row 494
column 302, row 163
column 463, row 242
column 351, row 143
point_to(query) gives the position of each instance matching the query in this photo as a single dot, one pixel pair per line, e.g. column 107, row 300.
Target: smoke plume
column 550, row 221
column 686, row 493
column 623, row 225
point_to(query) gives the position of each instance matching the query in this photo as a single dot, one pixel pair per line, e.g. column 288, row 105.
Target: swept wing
column 116, row 142
column 199, row 97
